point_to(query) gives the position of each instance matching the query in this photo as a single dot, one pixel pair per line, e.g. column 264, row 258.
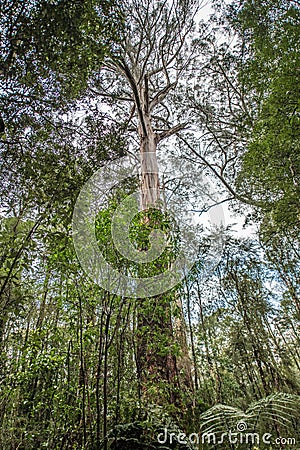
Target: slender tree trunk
column 191, row 330
column 105, row 382
column 98, row 377
column 82, row 375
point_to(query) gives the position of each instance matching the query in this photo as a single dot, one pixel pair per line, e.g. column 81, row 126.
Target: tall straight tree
column 138, row 82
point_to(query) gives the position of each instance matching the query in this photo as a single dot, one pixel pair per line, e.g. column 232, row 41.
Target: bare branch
column 161, row 95
column 123, row 66
column 235, row 195
column 115, row 97
column 171, row 131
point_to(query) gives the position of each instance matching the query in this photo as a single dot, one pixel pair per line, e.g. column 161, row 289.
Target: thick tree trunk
column 156, row 365
column 156, row 362
column 149, row 177
column 150, row 192
column 184, row 363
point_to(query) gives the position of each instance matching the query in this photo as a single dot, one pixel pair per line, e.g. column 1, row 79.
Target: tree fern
column 279, row 408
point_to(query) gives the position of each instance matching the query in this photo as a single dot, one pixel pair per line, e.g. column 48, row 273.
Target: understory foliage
column 72, row 371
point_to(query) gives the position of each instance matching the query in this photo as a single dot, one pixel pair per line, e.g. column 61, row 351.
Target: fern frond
column 280, row 408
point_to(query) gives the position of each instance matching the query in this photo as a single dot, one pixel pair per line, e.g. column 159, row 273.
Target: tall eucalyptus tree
column 139, row 81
